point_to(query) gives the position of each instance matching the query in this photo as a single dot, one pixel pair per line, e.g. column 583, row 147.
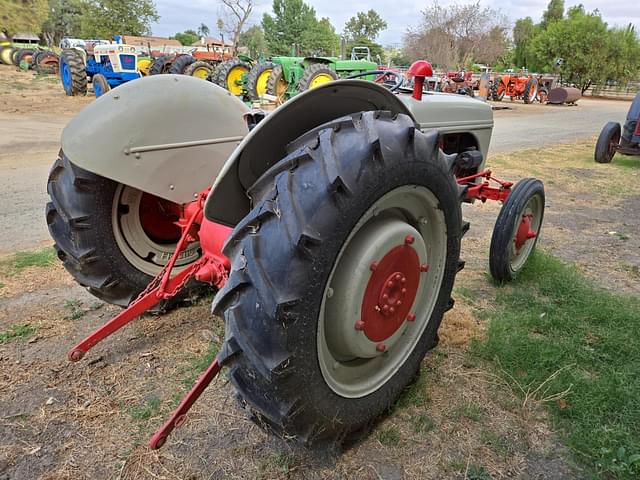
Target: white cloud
column 177, row 15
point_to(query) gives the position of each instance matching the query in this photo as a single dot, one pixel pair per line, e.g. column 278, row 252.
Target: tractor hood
column 168, row 135
column 228, row 202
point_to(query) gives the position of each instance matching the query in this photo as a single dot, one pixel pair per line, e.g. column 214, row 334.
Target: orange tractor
column 515, row 87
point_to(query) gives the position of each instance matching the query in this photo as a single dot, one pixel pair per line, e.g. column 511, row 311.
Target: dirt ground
column 92, row 419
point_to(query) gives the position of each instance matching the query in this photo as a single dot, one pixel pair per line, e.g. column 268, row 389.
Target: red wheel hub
column 390, row 292
column 158, row 218
column 524, row 232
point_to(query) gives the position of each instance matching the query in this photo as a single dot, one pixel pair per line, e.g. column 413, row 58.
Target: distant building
column 26, row 37
column 213, row 44
column 157, row 43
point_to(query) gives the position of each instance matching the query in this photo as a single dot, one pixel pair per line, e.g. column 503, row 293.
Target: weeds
column 76, row 310
column 389, row 437
column 147, row 410
column 21, row 260
column 558, row 340
column 16, row 332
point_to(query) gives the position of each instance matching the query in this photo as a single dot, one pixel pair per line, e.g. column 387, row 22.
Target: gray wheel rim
column 517, row 259
column 137, row 247
column 350, row 364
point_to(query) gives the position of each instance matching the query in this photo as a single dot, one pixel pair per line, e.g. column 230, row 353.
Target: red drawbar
column 390, row 292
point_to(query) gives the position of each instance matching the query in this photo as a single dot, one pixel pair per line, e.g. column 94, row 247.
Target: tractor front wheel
column 73, row 73
column 200, row 69
column 258, row 79
column 608, row 140
column 112, row 238
column 231, row 75
column 517, row 229
column 180, row 64
column 277, row 84
column 100, row 85
column 161, row 65
column 340, row 276
column 498, row 91
column 530, row 91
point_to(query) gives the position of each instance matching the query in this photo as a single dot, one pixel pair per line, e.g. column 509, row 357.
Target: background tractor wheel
column 277, row 85
column 543, row 95
column 199, row 69
column 607, row 140
column 258, row 79
column 6, row 53
column 230, row 75
column 180, row 64
column 316, row 75
column 530, row 91
column 48, row 63
column 161, row 65
column 113, row 239
column 517, row 229
column 24, row 54
column 73, row 73
column 35, row 58
column 498, row 90
column 100, row 85
column 350, row 217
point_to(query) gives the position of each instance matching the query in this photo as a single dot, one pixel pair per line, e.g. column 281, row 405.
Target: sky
column 178, row 15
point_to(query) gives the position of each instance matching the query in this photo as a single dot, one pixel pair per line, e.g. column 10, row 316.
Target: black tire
column 543, row 95
column 313, row 71
column 189, row 71
column 222, row 75
column 161, row 65
column 23, row 54
column 496, row 95
column 36, row 57
column 609, row 136
column 78, row 72
column 48, row 63
column 275, row 79
column 252, row 79
column 180, row 64
column 507, row 223
column 79, row 218
column 527, row 96
column 6, row 54
column 100, row 81
column 283, row 252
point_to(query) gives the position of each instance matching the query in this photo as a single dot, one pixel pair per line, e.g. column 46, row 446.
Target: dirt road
column 34, row 112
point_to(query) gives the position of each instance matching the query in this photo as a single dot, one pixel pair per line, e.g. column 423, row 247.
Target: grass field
column 560, row 341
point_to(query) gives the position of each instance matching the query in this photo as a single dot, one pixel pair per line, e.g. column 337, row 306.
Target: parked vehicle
column 614, row 139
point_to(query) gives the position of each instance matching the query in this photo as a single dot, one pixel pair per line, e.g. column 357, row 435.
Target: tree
column 456, row 35
column 105, row 18
column 203, row 30
column 188, row 37
column 253, row 39
column 553, row 13
column 591, row 53
column 237, row 12
column 364, row 25
column 65, row 19
column 22, row 16
column 523, row 32
column 294, row 24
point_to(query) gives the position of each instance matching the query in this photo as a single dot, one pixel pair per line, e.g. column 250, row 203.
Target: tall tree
column 188, row 37
column 253, row 39
column 22, row 16
column 365, row 25
column 237, row 13
column 523, row 32
column 65, row 19
column 456, row 35
column 294, row 24
column 203, row 30
column 105, row 18
column 553, row 13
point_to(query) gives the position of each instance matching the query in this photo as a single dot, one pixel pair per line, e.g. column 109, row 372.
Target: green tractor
column 293, row 75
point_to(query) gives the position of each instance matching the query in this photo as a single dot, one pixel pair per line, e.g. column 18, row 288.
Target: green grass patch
column 77, row 310
column 16, row 332
column 198, row 364
column 147, row 410
column 389, row 437
column 280, row 463
column 576, row 348
column 470, row 410
column 33, row 258
column 422, row 423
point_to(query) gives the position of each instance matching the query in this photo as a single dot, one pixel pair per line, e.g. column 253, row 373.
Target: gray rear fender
column 168, row 135
column 228, row 202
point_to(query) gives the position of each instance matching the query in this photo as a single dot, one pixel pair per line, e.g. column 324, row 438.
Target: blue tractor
column 625, row 140
column 107, row 67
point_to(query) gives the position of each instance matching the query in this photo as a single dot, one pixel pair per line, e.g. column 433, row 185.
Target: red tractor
column 457, row 82
column 515, row 87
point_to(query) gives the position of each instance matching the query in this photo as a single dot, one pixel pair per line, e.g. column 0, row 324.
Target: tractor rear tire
column 25, row 54
column 605, row 146
column 161, row 65
column 229, row 75
column 498, row 90
column 510, row 246
column 530, row 91
column 73, row 73
column 277, row 85
column 81, row 218
column 258, row 79
column 48, row 63
column 200, row 69
column 310, row 208
column 315, row 75
column 180, row 64
column 6, row 52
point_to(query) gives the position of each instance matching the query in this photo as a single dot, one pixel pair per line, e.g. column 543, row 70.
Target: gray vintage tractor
column 614, row 139
column 330, row 228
